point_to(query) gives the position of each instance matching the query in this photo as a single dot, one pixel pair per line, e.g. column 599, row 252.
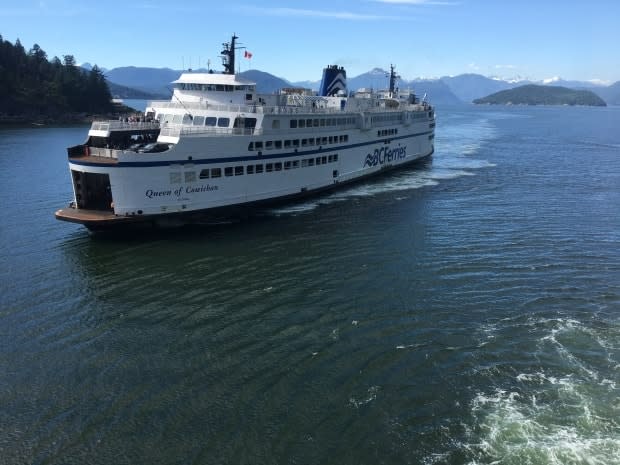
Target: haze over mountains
column 464, row 88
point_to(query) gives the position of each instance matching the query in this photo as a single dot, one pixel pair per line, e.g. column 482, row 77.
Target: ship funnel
column 334, row 80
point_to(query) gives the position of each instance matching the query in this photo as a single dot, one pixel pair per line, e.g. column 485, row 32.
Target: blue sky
column 574, row 39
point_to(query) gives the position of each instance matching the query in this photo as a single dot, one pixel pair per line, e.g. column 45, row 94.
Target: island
column 532, row 94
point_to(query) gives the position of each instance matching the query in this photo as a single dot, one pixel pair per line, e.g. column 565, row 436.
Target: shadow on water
column 291, row 260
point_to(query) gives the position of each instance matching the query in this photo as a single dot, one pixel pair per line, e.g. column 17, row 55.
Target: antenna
column 179, row 100
column 393, row 77
column 184, row 107
column 228, row 54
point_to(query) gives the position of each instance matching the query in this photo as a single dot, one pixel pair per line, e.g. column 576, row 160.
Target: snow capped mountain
column 463, row 88
column 558, row 81
column 87, row 66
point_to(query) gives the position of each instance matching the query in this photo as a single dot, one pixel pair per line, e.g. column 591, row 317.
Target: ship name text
column 152, row 193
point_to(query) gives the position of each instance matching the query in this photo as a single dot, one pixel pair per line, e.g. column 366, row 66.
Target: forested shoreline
column 532, row 94
column 36, row 90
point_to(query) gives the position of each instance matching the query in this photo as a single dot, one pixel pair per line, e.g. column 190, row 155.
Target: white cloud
column 473, row 66
column 505, row 66
column 347, row 15
column 599, row 82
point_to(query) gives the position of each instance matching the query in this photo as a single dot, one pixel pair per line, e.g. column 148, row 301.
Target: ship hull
column 98, row 221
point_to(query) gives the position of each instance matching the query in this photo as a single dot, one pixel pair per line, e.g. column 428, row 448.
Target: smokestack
column 334, row 80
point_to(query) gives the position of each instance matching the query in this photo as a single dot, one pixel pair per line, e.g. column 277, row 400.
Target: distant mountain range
column 154, row 83
column 611, row 94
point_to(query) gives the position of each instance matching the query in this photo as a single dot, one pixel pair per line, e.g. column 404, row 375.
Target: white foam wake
column 566, row 411
column 457, row 144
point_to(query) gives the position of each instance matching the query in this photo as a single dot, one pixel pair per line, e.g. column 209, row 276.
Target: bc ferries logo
column 385, row 155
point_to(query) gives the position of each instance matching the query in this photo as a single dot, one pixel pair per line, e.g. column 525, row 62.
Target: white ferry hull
column 151, row 200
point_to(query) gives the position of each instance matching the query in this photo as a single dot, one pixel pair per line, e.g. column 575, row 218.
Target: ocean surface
column 464, row 311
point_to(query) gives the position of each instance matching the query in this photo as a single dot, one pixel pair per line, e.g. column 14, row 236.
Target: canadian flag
column 247, row 55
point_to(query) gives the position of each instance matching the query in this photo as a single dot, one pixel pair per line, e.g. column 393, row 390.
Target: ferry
column 219, row 148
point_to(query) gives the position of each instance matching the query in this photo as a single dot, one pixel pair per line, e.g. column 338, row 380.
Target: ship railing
column 103, row 152
column 372, row 106
column 159, row 104
column 302, row 107
column 176, row 130
column 114, row 125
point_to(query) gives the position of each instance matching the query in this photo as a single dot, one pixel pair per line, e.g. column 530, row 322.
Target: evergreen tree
column 98, row 91
column 31, row 85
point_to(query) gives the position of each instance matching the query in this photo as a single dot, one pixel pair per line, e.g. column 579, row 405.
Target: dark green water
column 462, row 312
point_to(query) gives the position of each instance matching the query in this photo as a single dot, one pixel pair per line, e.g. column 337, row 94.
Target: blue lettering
column 150, row 193
column 385, row 155
column 203, row 188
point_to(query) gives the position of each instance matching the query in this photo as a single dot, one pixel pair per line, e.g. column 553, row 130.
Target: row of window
column 247, row 122
column 195, row 120
column 216, row 87
column 251, row 122
column 391, row 117
column 320, row 122
column 199, row 120
column 240, row 170
column 418, row 115
column 387, row 132
column 296, row 143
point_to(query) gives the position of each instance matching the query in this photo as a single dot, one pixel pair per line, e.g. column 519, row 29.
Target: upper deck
column 291, row 104
column 105, row 128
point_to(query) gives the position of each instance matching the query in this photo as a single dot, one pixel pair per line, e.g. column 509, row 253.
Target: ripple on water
column 559, row 414
column 460, row 311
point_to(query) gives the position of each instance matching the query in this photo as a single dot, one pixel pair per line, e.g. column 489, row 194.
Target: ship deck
column 94, row 219
column 94, row 159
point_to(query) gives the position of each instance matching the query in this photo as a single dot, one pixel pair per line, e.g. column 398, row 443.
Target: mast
column 228, row 55
column 393, row 77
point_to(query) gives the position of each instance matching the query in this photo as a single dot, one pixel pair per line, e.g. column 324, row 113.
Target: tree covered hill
column 124, row 92
column 532, row 94
column 32, row 87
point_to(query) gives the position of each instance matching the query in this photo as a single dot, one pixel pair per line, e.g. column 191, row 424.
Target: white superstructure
column 218, row 144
